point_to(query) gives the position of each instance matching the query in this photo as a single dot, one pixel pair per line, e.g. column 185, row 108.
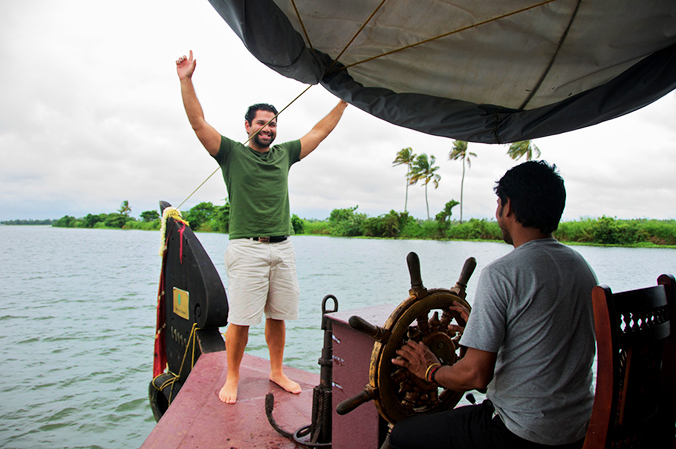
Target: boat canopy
column 491, row 71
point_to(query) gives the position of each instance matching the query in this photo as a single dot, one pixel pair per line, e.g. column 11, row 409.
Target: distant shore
column 588, row 232
column 206, row 217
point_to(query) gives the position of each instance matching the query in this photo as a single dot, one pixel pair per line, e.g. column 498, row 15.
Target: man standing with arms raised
column 260, row 261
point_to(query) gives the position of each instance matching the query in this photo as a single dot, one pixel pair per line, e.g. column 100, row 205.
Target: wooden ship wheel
column 425, row 316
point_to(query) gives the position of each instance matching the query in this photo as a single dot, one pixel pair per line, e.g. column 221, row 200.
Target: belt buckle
column 264, row 239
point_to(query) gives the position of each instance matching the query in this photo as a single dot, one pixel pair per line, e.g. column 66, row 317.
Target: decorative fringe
column 176, row 215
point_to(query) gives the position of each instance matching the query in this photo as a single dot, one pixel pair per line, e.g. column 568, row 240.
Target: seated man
column 529, row 338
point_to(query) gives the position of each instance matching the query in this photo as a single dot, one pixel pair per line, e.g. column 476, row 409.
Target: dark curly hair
column 251, row 113
column 537, row 194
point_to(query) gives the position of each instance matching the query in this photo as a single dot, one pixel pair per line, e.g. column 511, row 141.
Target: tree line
column 348, row 222
column 30, row 222
column 119, row 219
column 204, row 217
column 594, row 231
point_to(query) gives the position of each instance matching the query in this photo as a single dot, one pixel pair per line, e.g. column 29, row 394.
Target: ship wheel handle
column 346, row 406
column 376, row 332
column 413, row 262
column 467, row 270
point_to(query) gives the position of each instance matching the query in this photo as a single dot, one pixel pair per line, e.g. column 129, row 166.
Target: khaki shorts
column 261, row 279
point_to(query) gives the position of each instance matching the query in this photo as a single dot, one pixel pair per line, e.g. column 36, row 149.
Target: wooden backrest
column 635, row 397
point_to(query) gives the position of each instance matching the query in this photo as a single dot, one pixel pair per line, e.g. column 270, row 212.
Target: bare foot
column 285, row 383
column 228, row 393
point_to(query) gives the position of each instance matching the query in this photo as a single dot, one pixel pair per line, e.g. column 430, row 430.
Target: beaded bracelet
column 431, row 368
column 433, row 374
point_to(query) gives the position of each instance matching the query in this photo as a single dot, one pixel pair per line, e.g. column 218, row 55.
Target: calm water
column 78, row 314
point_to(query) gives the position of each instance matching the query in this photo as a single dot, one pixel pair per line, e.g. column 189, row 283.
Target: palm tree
column 424, row 170
column 124, row 209
column 459, row 151
column 405, row 156
column 526, row 147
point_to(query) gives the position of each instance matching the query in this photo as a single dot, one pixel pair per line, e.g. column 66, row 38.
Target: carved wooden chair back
column 635, row 402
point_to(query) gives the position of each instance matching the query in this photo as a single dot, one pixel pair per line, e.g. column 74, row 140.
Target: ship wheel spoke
column 434, row 322
column 424, row 324
column 400, row 376
column 413, row 334
column 446, row 318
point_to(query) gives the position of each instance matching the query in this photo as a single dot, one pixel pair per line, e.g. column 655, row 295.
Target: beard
column 264, row 142
column 506, row 236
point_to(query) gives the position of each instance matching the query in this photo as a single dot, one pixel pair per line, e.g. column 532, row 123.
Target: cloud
column 93, row 116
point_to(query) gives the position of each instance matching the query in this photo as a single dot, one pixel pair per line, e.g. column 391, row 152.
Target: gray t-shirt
column 533, row 308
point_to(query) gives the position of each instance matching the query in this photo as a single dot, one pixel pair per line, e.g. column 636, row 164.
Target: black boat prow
column 192, row 305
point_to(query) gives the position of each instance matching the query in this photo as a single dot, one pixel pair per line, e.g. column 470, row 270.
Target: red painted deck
column 198, row 419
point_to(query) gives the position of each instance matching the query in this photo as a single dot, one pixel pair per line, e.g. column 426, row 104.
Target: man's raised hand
column 185, row 66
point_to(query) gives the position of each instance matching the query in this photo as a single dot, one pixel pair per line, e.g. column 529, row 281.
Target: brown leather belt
column 273, row 239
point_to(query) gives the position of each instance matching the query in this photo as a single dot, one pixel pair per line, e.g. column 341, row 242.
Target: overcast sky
column 91, row 116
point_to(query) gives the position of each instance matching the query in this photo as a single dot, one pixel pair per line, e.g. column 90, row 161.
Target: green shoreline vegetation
column 206, row 217
column 30, row 222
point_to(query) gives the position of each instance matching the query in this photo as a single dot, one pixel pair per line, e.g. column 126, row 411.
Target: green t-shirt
column 258, row 187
